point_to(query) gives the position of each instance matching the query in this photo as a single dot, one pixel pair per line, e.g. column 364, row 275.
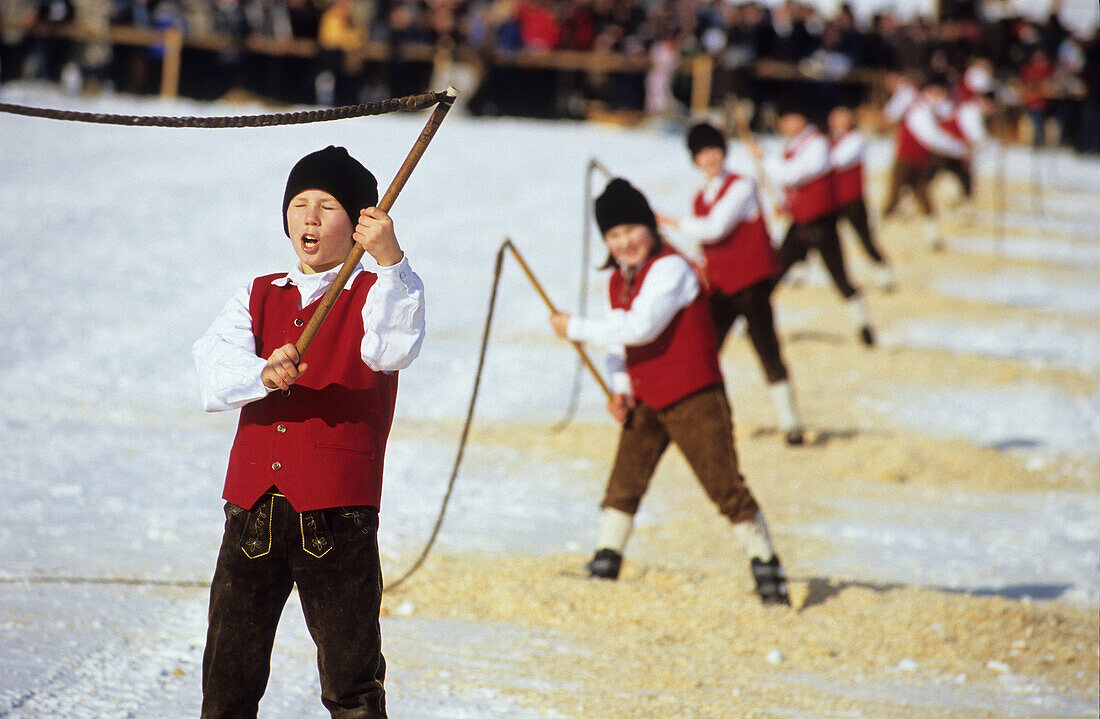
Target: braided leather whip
column 382, row 107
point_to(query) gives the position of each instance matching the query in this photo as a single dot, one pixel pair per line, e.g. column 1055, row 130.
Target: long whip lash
column 408, row 103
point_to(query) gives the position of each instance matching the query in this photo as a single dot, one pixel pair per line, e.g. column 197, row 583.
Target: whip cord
column 397, row 104
column 586, row 256
column 497, row 267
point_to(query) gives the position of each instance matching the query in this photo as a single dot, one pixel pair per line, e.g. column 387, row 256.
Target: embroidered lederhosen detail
column 365, row 518
column 256, row 538
column 316, row 537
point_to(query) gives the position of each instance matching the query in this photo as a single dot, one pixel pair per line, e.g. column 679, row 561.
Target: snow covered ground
column 122, row 243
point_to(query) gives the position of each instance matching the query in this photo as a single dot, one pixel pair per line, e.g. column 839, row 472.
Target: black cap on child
column 622, row 204
column 704, row 135
column 337, row 173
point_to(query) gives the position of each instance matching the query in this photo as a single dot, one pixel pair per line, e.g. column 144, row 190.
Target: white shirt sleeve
column 972, row 123
column 616, row 370
column 849, row 151
column 921, row 121
column 810, row 162
column 737, row 205
column 670, row 285
column 899, row 102
column 393, row 319
column 225, row 357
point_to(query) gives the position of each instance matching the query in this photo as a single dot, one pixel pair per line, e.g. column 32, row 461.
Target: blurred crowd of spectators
column 1050, row 68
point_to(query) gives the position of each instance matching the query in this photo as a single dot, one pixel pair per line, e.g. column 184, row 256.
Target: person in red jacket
column 667, row 386
column 739, row 263
column 304, row 481
column 804, row 173
column 847, row 148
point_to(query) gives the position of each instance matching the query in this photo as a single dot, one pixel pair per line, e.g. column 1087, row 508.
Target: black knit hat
column 702, row 136
column 337, row 173
column 622, row 204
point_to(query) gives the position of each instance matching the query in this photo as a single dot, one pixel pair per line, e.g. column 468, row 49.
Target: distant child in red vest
column 963, row 117
column 305, row 473
column 846, row 152
column 805, row 174
column 667, row 385
column 920, row 138
column 739, row 263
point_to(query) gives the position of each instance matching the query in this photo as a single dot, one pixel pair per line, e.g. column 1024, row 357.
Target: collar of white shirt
column 313, row 286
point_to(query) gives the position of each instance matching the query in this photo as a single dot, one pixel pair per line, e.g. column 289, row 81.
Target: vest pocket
column 360, row 451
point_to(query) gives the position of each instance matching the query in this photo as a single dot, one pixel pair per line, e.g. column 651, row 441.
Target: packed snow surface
column 122, row 243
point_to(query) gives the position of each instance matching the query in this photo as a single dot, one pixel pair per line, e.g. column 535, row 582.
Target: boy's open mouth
column 309, row 241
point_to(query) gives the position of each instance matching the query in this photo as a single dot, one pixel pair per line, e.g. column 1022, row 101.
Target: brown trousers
column 701, row 425
column 915, row 177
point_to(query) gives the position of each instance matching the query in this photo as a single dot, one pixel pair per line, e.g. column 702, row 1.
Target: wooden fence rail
column 700, row 68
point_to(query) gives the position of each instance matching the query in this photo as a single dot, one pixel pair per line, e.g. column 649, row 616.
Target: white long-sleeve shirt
column 393, row 332
column 669, row 286
column 971, row 122
column 740, row 203
column 848, row 150
column 808, row 161
column 900, row 101
column 922, row 122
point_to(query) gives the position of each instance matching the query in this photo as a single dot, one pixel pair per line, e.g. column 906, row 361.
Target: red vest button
column 281, row 429
column 298, row 322
column 276, row 466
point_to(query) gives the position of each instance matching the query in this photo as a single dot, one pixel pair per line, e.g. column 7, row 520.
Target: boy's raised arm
column 393, row 319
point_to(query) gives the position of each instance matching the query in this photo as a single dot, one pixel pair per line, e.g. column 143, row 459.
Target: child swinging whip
column 667, row 386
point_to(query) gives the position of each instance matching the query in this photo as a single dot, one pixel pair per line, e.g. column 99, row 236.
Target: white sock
column 885, row 276
column 785, row 408
column 858, row 312
column 754, row 538
column 932, row 232
column 615, row 529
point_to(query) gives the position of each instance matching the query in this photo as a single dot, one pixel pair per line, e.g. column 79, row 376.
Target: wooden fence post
column 702, row 70
column 170, row 69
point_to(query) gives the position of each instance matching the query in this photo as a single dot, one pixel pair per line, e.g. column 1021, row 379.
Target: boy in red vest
column 304, row 480
column 963, row 117
column 847, row 148
column 804, row 173
column 739, row 263
column 667, row 384
column 919, row 139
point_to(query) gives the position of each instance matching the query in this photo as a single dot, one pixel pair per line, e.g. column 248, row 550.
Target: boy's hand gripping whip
column 384, row 204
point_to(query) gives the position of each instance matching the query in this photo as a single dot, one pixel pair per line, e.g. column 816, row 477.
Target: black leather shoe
column 771, row 581
column 605, row 565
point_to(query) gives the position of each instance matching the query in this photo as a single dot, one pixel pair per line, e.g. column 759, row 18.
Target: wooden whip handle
column 356, row 254
column 542, row 293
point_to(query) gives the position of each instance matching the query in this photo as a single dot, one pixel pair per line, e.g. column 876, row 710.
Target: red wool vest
column 323, row 444
column 813, row 198
column 682, row 360
column 744, row 256
column 951, row 126
column 848, row 185
column 910, row 149
column 847, row 181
